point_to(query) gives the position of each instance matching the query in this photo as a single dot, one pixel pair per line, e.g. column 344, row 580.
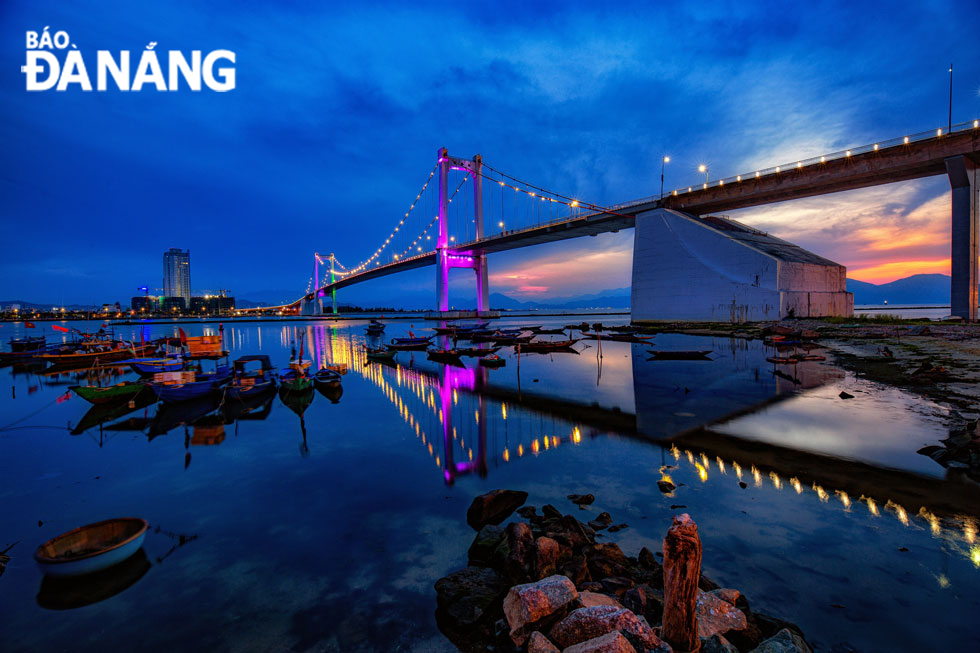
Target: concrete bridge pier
column 312, row 306
column 712, row 269
column 963, row 181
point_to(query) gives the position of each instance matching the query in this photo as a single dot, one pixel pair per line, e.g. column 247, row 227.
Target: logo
column 45, row 70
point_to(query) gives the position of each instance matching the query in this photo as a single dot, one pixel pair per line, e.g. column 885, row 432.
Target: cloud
column 339, row 111
column 874, row 230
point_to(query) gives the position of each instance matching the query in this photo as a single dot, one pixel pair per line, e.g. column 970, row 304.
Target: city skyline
column 588, row 107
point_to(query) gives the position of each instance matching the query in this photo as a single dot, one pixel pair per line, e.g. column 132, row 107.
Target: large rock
column 608, row 560
column 785, row 641
column 581, row 499
column 494, row 507
column 588, row 599
column 577, row 569
column 728, row 595
column 521, row 553
column 546, row 552
column 613, row 642
column 604, row 520
column 550, row 512
column 648, row 560
column 617, row 585
column 538, row 643
column 717, row 616
column 587, row 623
column 484, row 544
column 645, row 601
column 527, row 606
column 468, row 597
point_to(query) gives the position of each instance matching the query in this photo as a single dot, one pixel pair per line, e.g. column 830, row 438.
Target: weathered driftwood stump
column 682, row 569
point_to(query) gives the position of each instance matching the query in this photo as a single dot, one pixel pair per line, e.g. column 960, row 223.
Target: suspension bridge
column 467, row 209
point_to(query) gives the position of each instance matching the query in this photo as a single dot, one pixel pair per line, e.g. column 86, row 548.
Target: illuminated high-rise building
column 177, row 274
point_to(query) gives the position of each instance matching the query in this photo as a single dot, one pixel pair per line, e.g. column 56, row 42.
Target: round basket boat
column 93, row 547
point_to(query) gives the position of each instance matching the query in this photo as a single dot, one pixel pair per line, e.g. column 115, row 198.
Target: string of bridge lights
column 429, row 226
column 345, row 272
column 531, row 190
column 378, row 251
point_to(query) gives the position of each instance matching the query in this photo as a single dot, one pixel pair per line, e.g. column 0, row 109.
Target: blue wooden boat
column 150, row 366
column 375, row 328
column 325, row 377
column 201, row 386
column 245, row 382
column 90, row 548
column 403, row 344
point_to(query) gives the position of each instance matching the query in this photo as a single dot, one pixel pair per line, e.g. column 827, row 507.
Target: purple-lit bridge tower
column 446, row 257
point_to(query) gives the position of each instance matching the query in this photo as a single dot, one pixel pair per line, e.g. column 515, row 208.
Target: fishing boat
column 524, row 336
column 409, row 344
column 100, row 354
column 29, row 355
column 246, row 382
column 93, row 547
column 326, row 377
column 625, row 336
column 448, row 328
column 110, row 394
column 463, row 330
column 552, row 332
column 444, row 355
column 150, row 366
column 783, row 360
column 476, row 334
column 189, row 384
column 295, row 379
column 476, row 352
column 493, row 360
column 29, row 343
column 546, row 346
column 375, row 328
column 659, row 355
column 812, row 357
column 379, row 353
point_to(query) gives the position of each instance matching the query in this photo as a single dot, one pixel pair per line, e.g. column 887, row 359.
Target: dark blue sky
column 339, row 111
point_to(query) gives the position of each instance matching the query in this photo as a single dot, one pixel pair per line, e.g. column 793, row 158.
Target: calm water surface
column 327, row 531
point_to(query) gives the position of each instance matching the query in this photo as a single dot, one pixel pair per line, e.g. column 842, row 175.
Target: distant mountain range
column 613, row 298
column 917, row 289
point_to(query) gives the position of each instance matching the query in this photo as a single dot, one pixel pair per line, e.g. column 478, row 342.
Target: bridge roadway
column 875, row 166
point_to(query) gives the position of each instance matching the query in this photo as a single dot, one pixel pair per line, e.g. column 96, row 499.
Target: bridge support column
column 442, row 241
column 446, row 258
column 962, row 173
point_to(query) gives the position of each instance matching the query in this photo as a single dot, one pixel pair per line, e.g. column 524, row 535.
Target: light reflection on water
column 373, row 498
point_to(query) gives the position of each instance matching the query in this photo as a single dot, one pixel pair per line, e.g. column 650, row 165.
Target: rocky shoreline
column 542, row 583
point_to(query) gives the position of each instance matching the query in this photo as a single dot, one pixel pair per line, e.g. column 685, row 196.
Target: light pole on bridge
column 703, row 168
column 663, row 162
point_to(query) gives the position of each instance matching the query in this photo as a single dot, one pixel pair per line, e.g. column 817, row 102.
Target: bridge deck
column 901, row 162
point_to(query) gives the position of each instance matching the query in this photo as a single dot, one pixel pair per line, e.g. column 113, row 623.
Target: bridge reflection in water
column 470, row 425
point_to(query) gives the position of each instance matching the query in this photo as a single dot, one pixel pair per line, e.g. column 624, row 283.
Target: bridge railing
column 972, row 125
